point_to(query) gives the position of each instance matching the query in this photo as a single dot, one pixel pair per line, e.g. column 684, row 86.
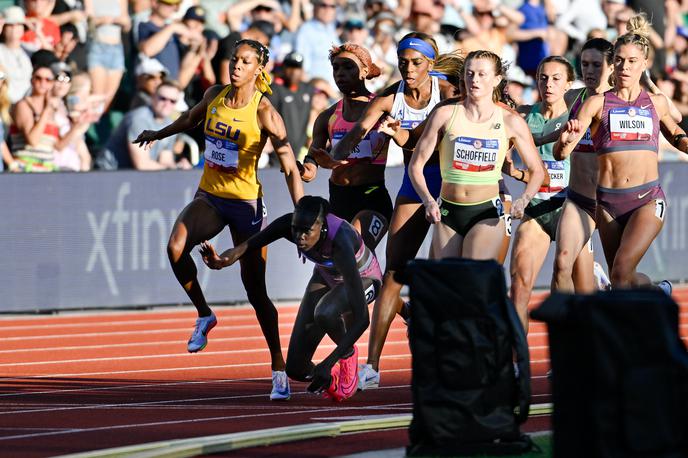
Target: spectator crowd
column 80, row 79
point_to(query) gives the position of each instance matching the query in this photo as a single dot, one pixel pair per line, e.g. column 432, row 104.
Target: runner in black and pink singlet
column 359, row 184
column 625, row 126
column 346, row 278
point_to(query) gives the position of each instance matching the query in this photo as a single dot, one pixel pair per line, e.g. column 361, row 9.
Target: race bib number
column 475, row 154
column 375, row 228
column 221, row 152
column 630, row 123
column 660, row 209
column 361, row 151
column 507, row 224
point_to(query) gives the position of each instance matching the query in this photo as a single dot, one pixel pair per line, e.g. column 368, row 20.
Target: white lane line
column 258, row 352
column 144, row 371
column 129, row 387
column 287, row 326
column 149, row 404
column 338, row 408
column 160, row 342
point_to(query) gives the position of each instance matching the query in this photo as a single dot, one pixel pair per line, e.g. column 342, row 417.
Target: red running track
column 87, row 381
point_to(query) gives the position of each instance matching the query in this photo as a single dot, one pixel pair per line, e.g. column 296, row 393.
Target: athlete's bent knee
column 298, row 372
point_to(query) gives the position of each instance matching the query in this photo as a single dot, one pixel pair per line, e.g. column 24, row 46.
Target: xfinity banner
column 82, row 240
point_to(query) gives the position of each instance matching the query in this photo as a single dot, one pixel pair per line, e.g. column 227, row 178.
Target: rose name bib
column 221, row 153
column 630, row 123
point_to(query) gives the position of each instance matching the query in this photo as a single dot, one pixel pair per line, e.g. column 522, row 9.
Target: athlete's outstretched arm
column 344, row 257
column 185, row 121
column 422, row 153
column 519, row 134
column 280, row 228
column 272, row 124
column 374, row 111
column 317, row 153
column 576, row 128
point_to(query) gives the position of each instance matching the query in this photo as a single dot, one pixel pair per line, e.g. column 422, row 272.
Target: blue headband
column 417, row 45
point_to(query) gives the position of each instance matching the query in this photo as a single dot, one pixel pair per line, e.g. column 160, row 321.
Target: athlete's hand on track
column 389, row 126
column 146, row 138
column 432, row 212
column 322, row 378
column 324, row 160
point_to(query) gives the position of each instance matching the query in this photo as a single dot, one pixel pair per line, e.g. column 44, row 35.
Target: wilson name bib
column 630, row 123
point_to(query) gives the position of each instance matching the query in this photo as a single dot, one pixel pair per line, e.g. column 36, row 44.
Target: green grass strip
column 182, row 448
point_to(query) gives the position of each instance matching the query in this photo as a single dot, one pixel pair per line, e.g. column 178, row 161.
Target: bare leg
column 641, row 229
column 528, row 253
column 574, row 229
column 196, row 223
column 253, row 278
column 483, row 240
column 406, row 234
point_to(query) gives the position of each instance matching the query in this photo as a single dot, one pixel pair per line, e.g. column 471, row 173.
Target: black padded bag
column 464, row 333
column 619, row 375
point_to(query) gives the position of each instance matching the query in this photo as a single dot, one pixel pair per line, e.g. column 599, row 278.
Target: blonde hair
column 5, row 103
column 450, row 65
column 638, row 34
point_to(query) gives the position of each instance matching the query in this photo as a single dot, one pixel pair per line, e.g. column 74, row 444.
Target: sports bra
column 473, row 153
column 627, row 126
column 411, row 117
column 371, row 147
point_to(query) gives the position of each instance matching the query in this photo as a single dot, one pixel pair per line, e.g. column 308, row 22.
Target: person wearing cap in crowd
column 128, row 155
column 197, row 73
column 13, row 58
column 291, row 97
column 34, row 132
column 159, row 37
column 149, row 74
column 354, row 31
column 41, row 32
column 260, row 31
column 71, row 152
column 315, row 38
column 109, row 19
